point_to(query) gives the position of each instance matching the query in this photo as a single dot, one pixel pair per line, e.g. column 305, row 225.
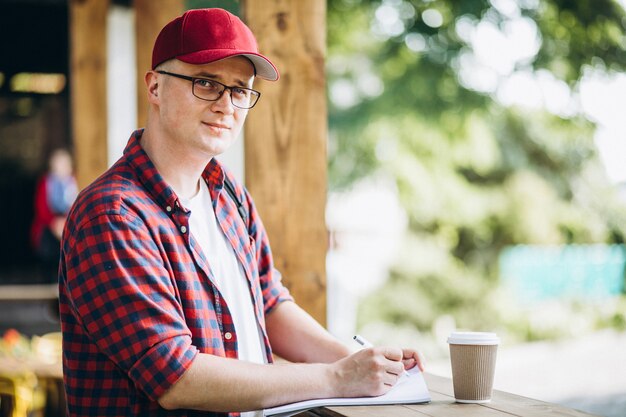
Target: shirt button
column 183, row 229
column 228, row 335
column 168, row 208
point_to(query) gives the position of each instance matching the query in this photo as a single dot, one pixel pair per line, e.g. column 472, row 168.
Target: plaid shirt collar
column 152, row 180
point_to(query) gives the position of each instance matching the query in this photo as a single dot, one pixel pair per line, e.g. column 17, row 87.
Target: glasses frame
column 193, row 80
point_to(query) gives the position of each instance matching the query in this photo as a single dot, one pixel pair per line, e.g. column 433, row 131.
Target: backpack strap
column 230, row 188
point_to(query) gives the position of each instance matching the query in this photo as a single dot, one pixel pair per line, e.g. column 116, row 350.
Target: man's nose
column 224, row 101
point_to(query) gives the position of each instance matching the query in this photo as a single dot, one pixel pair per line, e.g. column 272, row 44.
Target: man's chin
column 217, row 146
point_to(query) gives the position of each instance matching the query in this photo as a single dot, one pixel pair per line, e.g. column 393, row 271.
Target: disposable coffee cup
column 473, row 358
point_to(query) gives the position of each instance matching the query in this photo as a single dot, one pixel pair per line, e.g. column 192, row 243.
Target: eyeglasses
column 211, row 90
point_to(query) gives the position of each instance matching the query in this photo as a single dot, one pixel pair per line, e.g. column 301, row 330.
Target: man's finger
column 391, row 377
column 413, row 355
column 396, row 368
column 392, row 354
column 409, row 363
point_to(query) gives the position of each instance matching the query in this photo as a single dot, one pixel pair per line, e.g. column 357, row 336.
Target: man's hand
column 372, row 371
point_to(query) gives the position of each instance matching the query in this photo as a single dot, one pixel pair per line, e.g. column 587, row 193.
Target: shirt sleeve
column 125, row 300
column 272, row 288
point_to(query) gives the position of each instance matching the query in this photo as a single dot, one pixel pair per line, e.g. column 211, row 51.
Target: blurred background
column 475, row 167
column 477, row 157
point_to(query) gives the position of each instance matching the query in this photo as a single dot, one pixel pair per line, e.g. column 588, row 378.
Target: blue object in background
column 586, row 272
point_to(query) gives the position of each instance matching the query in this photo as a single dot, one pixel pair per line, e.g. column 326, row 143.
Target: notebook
column 410, row 389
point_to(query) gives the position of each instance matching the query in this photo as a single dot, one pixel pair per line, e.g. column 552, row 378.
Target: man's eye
column 208, row 84
column 241, row 92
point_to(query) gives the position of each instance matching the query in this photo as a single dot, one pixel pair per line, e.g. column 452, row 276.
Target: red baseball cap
column 201, row 36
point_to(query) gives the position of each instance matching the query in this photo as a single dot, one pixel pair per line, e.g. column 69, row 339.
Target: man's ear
column 151, row 79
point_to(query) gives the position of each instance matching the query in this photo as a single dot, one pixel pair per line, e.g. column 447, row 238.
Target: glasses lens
column 210, row 90
column 207, row 89
column 243, row 97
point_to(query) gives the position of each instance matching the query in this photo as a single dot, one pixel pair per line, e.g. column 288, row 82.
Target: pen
column 363, row 342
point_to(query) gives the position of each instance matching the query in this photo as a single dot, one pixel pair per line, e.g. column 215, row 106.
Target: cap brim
column 263, row 66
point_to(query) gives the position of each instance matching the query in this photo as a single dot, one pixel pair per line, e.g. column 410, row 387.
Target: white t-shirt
column 229, row 276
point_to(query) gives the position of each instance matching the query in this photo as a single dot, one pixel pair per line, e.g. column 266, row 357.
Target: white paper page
column 410, row 389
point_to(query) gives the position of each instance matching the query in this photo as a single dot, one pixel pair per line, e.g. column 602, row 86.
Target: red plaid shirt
column 137, row 296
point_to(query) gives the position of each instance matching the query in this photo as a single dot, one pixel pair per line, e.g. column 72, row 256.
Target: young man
column 169, row 300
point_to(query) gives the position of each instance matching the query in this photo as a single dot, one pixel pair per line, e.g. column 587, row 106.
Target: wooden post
column 285, row 143
column 88, row 55
column 150, row 17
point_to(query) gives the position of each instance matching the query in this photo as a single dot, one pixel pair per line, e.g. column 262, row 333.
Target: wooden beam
column 88, row 55
column 150, row 17
column 285, row 143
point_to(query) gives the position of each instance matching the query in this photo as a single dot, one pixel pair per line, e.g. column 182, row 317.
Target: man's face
column 199, row 128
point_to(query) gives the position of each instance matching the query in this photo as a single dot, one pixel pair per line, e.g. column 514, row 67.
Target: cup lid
column 473, row 338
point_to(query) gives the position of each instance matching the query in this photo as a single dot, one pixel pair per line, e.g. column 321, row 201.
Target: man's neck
column 179, row 171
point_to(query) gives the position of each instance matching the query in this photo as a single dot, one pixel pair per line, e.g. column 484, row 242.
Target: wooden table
column 502, row 405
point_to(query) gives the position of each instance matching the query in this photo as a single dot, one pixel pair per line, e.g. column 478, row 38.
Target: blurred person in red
column 55, row 193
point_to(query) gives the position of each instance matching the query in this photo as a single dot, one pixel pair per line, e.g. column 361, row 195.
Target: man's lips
column 216, row 125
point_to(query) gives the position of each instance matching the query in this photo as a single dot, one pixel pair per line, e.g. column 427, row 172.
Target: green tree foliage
column 473, row 174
